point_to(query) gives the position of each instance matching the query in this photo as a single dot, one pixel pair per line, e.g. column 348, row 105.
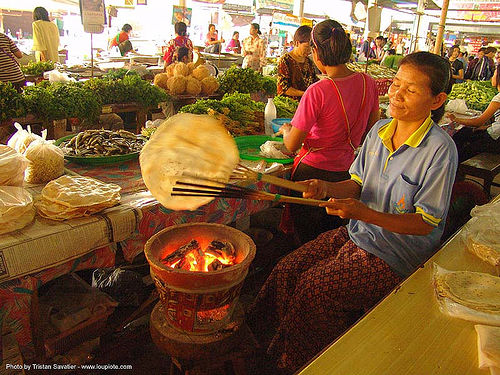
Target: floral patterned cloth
column 15, row 295
column 173, row 46
column 257, row 59
column 313, row 295
column 293, row 74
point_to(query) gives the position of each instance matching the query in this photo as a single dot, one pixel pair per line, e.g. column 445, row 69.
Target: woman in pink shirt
column 333, row 116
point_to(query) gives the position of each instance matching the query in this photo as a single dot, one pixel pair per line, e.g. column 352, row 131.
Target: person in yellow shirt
column 45, row 36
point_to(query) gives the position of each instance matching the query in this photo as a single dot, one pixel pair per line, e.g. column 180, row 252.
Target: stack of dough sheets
column 70, row 197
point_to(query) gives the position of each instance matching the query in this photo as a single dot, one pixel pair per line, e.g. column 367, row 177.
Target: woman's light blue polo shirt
column 416, row 178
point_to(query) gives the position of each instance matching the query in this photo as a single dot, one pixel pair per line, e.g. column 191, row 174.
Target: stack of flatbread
column 69, row 197
column 16, row 208
column 187, row 147
column 482, row 232
column 12, row 166
column 478, row 293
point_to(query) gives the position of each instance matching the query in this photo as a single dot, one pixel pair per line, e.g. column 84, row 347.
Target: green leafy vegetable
column 477, row 94
column 119, row 73
column 285, row 106
column 37, row 68
column 245, row 81
column 12, row 103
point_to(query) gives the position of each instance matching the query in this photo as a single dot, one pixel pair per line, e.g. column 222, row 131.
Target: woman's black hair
column 437, row 69
column 451, row 49
column 180, row 28
column 40, row 13
column 256, row 26
column 302, row 34
column 126, row 28
column 332, row 44
column 235, row 32
column 181, row 52
column 210, row 25
column 125, row 47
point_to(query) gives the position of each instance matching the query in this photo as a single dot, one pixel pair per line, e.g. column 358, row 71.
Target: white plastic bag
column 457, row 106
column 12, row 167
column 57, row 76
column 21, row 139
column 16, row 208
column 481, row 234
column 491, row 209
column 274, row 150
column 488, row 347
column 46, row 162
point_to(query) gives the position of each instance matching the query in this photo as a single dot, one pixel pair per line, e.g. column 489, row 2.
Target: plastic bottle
column 269, row 115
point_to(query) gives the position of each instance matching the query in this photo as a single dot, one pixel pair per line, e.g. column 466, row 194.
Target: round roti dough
column 472, row 289
column 79, row 191
column 187, row 145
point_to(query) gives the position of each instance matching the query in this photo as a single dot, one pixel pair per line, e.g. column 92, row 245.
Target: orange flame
column 201, row 260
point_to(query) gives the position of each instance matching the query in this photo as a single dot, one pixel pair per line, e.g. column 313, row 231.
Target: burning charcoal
column 215, row 265
column 223, row 248
column 181, row 252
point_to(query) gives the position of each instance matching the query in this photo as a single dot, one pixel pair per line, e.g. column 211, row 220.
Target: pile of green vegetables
column 11, row 102
column 131, row 88
column 37, row 68
column 246, row 81
column 119, row 73
column 285, row 106
column 241, row 107
column 53, row 101
column 477, row 94
column 83, row 100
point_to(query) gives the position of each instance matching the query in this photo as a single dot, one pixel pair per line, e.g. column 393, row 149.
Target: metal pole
column 301, row 10
column 91, row 55
column 442, row 22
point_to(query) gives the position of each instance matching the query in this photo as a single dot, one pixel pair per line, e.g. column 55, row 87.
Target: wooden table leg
column 140, row 117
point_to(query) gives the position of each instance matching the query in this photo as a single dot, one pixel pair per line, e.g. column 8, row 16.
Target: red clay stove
column 199, row 302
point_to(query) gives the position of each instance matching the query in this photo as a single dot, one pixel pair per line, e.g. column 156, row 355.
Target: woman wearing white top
column 254, row 49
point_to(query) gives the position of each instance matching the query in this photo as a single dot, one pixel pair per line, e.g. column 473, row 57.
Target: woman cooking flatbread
column 397, row 201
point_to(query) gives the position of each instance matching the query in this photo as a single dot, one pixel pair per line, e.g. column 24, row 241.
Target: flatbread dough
column 479, row 291
column 79, row 191
column 184, row 146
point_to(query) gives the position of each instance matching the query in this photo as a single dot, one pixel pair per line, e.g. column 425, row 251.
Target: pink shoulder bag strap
column 341, row 101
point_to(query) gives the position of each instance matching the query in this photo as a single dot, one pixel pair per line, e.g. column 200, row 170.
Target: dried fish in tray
column 92, row 143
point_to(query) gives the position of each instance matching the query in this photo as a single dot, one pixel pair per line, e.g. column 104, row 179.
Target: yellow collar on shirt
column 387, row 131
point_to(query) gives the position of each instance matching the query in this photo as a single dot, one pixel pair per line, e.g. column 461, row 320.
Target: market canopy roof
column 50, row 5
column 402, row 4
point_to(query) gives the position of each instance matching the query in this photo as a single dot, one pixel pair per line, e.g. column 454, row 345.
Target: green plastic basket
column 96, row 160
column 249, row 147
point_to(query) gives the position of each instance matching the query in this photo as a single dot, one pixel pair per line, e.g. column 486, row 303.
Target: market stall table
column 47, row 249
column 406, row 333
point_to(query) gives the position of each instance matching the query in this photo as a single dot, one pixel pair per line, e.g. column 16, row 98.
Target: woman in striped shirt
column 10, row 71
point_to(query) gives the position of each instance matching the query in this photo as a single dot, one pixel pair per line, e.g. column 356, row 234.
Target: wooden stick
column 257, row 176
column 282, row 182
column 236, row 192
